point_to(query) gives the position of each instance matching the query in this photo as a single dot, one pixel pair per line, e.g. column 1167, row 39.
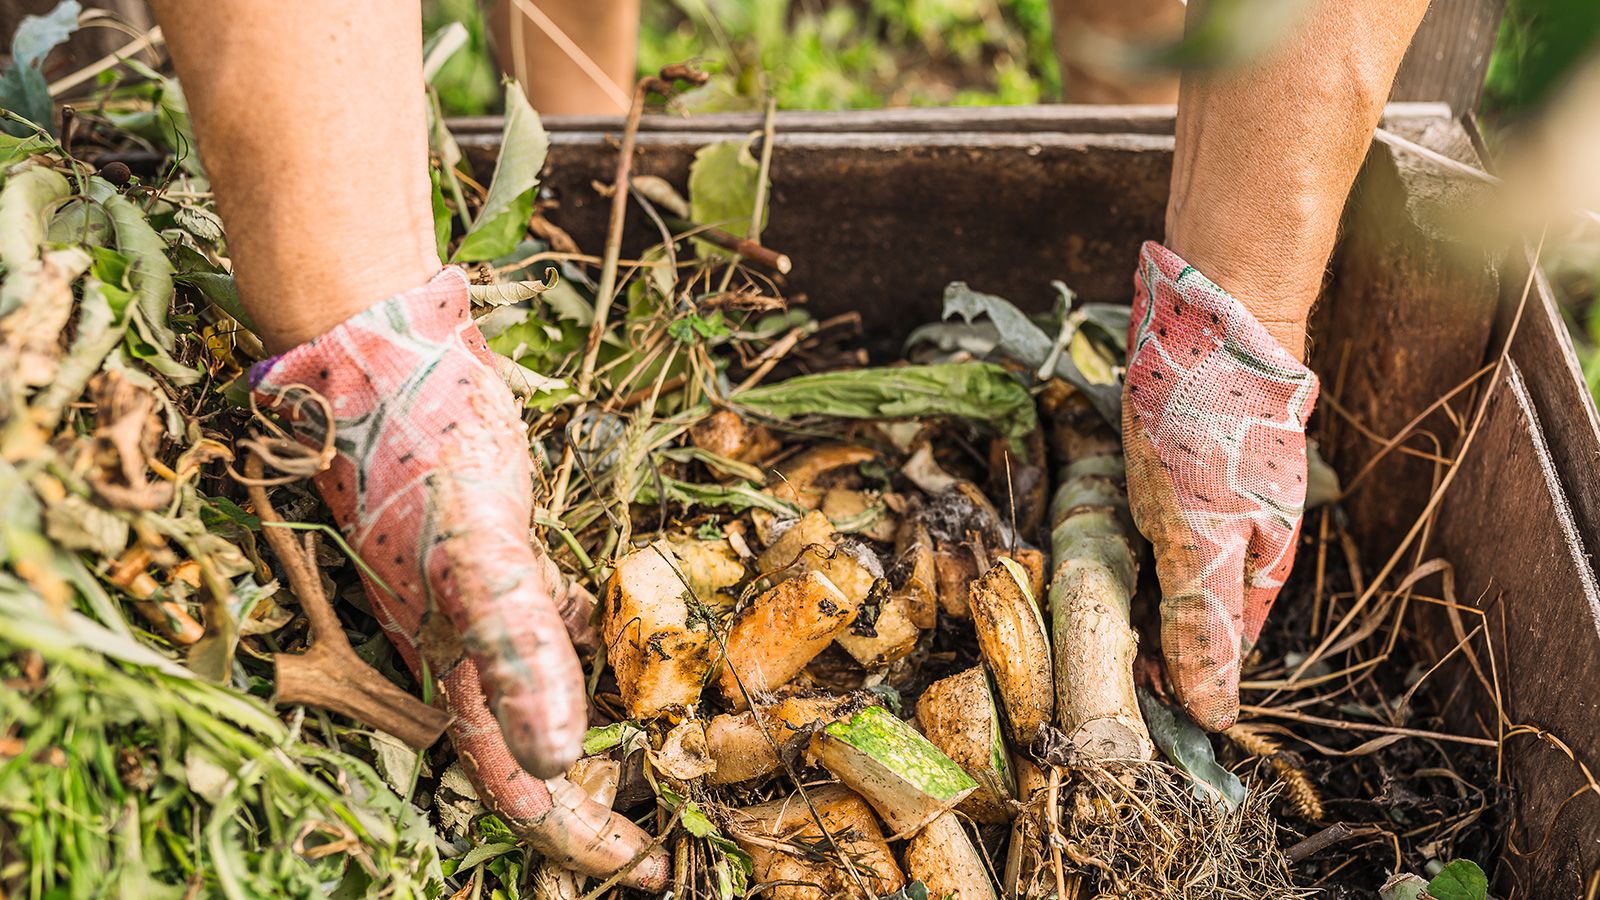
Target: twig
column 330, row 675
column 1322, row 840
column 1344, row 725
column 603, row 295
column 746, row 248
column 149, row 40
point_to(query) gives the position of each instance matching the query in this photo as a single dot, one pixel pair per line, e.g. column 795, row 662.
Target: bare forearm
column 312, row 126
column 1266, row 155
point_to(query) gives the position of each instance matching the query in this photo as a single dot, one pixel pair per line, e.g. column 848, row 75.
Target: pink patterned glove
column 1213, row 423
column 431, row 486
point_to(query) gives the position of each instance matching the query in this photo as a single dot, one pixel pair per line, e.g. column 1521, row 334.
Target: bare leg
column 325, row 191
column 606, row 31
column 1266, row 155
column 1133, row 21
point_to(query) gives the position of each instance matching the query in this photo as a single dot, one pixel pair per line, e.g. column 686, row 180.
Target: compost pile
column 861, row 631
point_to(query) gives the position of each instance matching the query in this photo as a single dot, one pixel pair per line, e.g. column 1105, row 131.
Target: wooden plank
column 1405, row 318
column 1543, row 348
column 1066, row 118
column 1507, row 526
column 1450, row 53
column 879, row 224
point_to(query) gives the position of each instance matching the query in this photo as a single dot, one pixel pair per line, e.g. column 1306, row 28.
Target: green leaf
column 14, row 149
column 23, row 89
column 722, row 189
column 618, row 734
column 484, row 853
column 695, row 822
column 980, row 391
column 26, row 202
column 1462, row 879
column 504, row 217
column 693, row 329
column 25, row 93
column 441, row 216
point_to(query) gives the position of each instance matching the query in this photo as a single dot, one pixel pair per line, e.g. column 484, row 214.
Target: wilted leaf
column 483, row 853
column 77, row 524
column 722, row 189
column 979, row 391
column 507, row 293
column 397, row 762
column 1188, row 747
column 1025, row 342
column 1404, row 886
column 504, row 217
column 26, row 202
column 202, row 223
column 205, row 775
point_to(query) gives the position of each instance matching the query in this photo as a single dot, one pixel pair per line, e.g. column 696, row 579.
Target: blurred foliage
column 1540, row 43
column 810, row 55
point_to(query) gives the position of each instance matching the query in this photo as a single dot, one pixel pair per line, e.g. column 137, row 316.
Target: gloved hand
column 1213, row 422
column 431, row 487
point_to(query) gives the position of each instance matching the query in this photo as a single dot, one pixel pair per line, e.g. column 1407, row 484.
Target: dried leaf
column 507, row 293
column 77, row 524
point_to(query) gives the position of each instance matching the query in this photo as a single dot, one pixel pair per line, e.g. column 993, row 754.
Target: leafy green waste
column 1189, row 748
column 723, row 183
column 982, row 392
column 503, row 220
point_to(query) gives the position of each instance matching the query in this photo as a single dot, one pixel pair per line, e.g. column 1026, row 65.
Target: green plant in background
column 811, row 55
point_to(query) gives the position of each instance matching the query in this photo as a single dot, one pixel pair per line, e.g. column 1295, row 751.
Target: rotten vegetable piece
column 770, row 830
column 726, row 433
column 916, row 573
column 774, row 637
column 742, row 743
column 812, row 545
column 1091, row 589
column 659, row 644
column 806, row 479
column 955, row 568
column 959, row 716
column 1026, row 856
column 1021, row 481
column 712, row 568
column 905, row 778
column 942, row 857
column 860, row 512
column 888, row 636
column 1016, row 646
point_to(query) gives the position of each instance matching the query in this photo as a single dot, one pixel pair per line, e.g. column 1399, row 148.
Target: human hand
column 430, row 483
column 1213, row 420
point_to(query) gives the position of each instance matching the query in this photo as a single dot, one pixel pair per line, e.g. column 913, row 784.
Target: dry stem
column 330, row 675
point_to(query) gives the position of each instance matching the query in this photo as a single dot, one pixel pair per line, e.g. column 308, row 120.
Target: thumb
column 1202, row 625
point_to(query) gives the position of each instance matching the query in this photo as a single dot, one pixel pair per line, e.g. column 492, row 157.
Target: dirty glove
column 430, row 484
column 1213, row 421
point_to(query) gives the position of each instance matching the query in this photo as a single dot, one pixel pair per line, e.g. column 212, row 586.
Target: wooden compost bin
column 880, row 210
